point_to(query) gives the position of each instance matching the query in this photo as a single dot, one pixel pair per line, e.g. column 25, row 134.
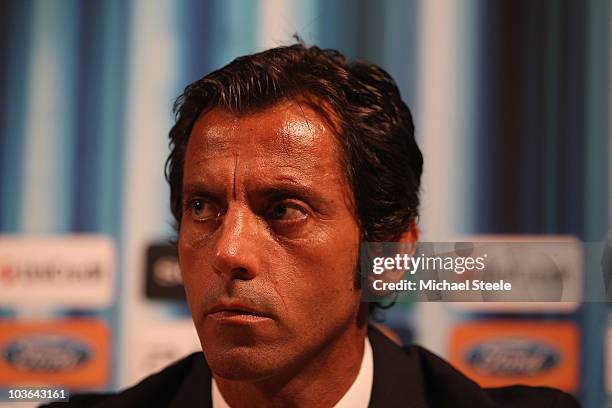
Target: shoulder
column 446, row 385
column 415, row 374
column 159, row 389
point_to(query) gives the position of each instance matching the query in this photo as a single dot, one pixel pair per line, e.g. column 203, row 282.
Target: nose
column 236, row 243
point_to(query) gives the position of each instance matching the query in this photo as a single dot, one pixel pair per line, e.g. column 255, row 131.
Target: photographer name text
column 441, row 285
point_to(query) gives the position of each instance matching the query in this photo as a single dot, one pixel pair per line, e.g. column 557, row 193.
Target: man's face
column 268, row 241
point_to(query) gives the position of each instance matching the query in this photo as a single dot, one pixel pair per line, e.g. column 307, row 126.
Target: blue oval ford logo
column 46, row 353
column 512, row 357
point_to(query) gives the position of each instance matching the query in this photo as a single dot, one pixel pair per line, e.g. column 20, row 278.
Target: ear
column 412, row 233
column 405, row 244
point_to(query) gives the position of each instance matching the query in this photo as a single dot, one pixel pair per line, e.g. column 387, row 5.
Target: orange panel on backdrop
column 70, row 353
column 498, row 353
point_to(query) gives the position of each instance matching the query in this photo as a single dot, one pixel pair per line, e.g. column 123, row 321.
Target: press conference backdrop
column 511, row 101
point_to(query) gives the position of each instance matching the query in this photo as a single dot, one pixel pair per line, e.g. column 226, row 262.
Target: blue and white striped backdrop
column 511, row 102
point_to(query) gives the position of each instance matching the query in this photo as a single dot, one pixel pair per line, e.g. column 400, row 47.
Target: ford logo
column 46, row 353
column 512, row 357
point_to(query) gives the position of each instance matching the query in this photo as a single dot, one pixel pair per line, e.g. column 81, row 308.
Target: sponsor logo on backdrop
column 56, row 271
column 46, row 353
column 72, row 353
column 512, row 357
column 52, row 273
column 163, row 275
column 498, row 353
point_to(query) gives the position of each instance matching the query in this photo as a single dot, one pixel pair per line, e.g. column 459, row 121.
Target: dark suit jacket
column 403, row 377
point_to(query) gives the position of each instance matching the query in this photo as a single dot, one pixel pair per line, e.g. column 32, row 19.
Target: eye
column 286, row 211
column 203, row 210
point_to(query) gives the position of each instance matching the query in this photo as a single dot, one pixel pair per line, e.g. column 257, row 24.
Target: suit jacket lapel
column 397, row 375
column 196, row 388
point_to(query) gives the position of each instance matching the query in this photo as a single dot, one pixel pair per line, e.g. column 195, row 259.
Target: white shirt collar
column 357, row 396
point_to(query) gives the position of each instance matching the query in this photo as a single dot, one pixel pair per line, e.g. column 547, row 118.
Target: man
column 282, row 163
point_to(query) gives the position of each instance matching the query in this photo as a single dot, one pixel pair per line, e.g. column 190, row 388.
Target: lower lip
column 237, row 317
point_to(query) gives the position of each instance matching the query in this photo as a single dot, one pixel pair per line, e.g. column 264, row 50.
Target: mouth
column 237, row 314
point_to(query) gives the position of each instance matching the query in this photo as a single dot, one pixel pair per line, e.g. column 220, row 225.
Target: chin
column 244, row 363
column 245, row 351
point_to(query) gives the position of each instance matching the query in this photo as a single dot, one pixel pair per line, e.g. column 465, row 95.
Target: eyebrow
column 280, row 189
column 201, row 189
column 276, row 189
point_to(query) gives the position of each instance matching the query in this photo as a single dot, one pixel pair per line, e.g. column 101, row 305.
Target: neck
column 321, row 381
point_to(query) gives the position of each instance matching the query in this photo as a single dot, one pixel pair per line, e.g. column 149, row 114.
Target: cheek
column 196, row 275
column 320, row 279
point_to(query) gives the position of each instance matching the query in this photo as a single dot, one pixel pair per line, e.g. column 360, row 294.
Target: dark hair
column 380, row 157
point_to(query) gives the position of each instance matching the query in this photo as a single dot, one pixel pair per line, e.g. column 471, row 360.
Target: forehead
column 286, row 133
